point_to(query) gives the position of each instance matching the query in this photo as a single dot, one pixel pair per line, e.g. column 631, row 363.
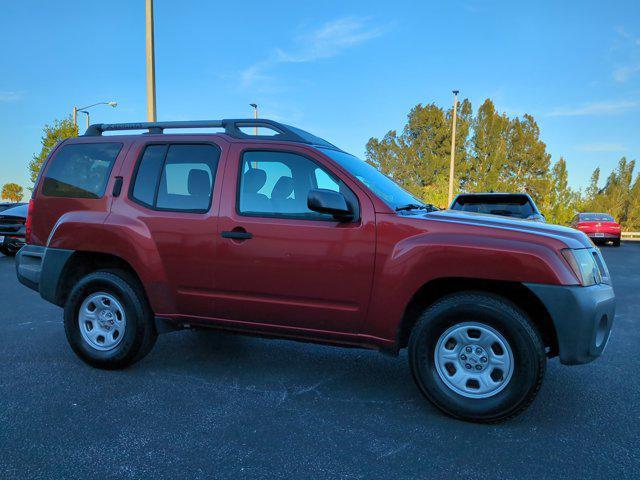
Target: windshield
column 517, row 206
column 389, row 191
column 19, row 211
column 595, row 217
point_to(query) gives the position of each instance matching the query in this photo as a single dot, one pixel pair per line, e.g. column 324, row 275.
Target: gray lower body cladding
column 582, row 317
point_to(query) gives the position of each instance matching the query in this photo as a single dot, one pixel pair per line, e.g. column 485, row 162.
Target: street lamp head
column 254, row 105
column 455, row 92
column 112, row 104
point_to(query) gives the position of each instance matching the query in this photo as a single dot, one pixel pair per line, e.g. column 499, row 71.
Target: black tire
column 7, row 252
column 616, row 242
column 502, row 316
column 140, row 333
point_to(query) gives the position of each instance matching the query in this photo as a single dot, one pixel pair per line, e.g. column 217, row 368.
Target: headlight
column 584, row 265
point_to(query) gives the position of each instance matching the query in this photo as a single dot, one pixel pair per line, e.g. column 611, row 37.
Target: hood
column 16, row 211
column 571, row 237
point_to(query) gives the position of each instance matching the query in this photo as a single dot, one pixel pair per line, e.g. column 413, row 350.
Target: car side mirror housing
column 333, row 203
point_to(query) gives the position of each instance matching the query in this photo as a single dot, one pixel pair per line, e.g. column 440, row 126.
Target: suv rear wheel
column 108, row 321
column 477, row 357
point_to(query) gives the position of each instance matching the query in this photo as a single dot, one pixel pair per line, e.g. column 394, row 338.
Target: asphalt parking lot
column 211, row 405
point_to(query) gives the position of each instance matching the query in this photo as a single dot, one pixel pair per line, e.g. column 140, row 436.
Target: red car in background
column 600, row 227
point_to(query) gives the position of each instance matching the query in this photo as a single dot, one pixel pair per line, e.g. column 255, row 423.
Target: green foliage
column 632, row 222
column 620, row 196
column 12, row 192
column 496, row 153
column 558, row 202
column 52, row 135
column 418, row 158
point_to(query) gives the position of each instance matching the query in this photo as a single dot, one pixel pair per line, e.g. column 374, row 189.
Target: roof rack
column 232, row 127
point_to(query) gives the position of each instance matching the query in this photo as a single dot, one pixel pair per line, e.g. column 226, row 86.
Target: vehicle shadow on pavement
column 288, row 371
column 292, row 368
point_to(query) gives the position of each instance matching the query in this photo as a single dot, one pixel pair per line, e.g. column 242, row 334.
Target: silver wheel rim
column 102, row 321
column 474, row 360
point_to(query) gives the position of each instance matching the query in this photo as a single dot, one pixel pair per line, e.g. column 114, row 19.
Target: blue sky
column 345, row 70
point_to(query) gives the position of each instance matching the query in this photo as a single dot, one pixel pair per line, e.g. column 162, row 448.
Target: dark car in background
column 599, row 227
column 6, row 205
column 12, row 229
column 514, row 205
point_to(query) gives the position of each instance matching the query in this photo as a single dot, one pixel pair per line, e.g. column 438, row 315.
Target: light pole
column 76, row 110
column 255, row 115
column 87, row 114
column 453, row 145
column 151, row 64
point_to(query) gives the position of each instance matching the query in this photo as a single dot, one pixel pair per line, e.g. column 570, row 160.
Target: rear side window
column 80, row 170
column 176, row 177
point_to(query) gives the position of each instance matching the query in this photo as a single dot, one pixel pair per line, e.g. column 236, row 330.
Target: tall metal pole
column 255, row 116
column 88, row 122
column 151, row 65
column 75, row 116
column 453, row 145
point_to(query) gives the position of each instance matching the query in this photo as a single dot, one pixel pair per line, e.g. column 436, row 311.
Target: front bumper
column 582, row 316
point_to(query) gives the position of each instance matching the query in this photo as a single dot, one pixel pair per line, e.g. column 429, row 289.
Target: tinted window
column 148, row 174
column 596, row 217
column 81, row 170
column 517, row 206
column 176, row 177
column 278, row 184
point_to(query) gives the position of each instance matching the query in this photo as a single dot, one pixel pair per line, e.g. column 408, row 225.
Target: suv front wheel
column 107, row 320
column 477, row 357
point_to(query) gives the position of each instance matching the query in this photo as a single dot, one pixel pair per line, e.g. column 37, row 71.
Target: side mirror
column 322, row 200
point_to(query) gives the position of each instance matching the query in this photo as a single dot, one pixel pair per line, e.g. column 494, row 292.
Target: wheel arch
column 516, row 292
column 82, row 263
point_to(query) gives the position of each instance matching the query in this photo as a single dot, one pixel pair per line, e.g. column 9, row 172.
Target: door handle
column 237, row 235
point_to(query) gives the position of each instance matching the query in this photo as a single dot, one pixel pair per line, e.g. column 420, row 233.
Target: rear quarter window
column 80, row 170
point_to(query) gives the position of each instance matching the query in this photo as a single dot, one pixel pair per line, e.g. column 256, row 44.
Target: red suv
column 286, row 235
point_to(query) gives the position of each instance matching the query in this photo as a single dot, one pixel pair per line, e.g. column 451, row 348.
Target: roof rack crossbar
column 232, row 127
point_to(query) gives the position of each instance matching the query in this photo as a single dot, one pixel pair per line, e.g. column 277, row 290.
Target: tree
column 558, row 202
column 527, row 159
column 593, row 190
column 418, row 159
column 619, row 197
column 488, row 157
column 12, row 192
column 496, row 153
column 53, row 134
column 632, row 222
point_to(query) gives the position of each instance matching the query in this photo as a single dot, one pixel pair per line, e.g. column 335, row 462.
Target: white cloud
column 630, row 65
column 623, row 74
column 601, row 147
column 10, row 96
column 330, row 40
column 596, row 108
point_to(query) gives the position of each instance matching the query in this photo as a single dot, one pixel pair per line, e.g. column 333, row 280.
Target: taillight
column 27, row 225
